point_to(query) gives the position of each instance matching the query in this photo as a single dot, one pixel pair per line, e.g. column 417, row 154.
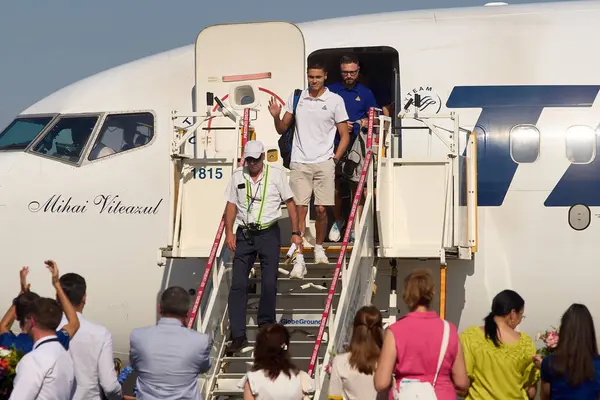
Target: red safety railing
column 340, row 260
column 219, row 236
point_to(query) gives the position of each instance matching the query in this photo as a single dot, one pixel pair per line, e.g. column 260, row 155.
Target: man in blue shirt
column 21, row 308
column 358, row 100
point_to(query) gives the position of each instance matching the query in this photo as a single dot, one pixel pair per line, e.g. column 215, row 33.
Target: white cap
column 253, row 149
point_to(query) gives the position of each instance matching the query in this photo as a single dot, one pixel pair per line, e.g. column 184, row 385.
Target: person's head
column 367, row 339
column 507, row 307
column 254, row 155
column 174, row 303
column 349, row 69
column 23, row 306
column 577, row 347
column 418, row 289
column 271, row 353
column 316, row 74
column 75, row 288
column 43, row 317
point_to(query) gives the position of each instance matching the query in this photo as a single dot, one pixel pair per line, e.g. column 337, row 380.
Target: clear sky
column 46, row 45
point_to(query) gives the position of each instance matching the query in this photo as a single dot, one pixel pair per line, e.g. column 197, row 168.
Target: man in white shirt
column 254, row 196
column 45, row 373
column 91, row 349
column 320, row 113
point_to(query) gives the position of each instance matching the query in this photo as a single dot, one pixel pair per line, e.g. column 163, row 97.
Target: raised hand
column 274, row 107
column 23, row 278
column 53, row 268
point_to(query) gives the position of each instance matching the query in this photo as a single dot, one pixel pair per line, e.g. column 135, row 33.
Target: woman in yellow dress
column 499, row 359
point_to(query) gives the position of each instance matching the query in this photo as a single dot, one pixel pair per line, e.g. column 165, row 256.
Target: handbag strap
column 443, row 349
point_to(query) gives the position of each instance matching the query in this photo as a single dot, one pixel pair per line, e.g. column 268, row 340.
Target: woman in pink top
column 411, row 347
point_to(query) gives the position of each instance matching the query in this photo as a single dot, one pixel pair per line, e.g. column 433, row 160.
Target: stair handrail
column 219, row 236
column 342, row 255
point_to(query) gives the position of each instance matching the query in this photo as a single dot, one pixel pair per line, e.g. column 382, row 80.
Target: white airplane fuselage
column 497, row 67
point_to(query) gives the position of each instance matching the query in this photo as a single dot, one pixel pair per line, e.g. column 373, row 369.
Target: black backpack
column 287, row 139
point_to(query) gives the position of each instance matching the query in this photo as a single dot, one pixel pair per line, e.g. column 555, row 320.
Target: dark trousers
column 266, row 244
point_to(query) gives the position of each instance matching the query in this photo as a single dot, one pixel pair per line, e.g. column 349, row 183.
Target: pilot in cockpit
column 129, row 132
column 79, row 136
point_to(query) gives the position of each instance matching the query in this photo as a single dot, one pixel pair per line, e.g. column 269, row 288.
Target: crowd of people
column 422, row 354
column 68, row 357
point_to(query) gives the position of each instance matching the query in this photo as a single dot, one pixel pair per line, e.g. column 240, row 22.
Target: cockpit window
column 123, row 132
column 67, row 138
column 21, row 132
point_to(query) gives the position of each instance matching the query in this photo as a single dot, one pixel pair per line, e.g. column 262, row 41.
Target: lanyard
column 250, row 199
column 47, row 341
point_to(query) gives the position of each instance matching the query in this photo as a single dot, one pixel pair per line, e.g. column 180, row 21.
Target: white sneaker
column 320, row 256
column 299, row 269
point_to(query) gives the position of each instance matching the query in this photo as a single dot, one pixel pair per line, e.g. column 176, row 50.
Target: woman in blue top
column 573, row 371
column 21, row 306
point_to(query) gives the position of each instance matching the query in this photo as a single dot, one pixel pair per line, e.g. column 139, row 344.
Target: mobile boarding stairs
column 419, row 213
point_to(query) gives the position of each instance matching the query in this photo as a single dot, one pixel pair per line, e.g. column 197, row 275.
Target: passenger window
column 580, row 143
column 123, row 132
column 524, row 143
column 67, row 138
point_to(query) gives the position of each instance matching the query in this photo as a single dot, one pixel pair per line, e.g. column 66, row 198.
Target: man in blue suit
column 168, row 356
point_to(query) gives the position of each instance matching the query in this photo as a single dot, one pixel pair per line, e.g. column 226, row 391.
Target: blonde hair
column 418, row 289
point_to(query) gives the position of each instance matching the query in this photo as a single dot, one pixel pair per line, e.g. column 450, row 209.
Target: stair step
column 308, row 263
column 251, row 359
column 228, row 392
column 329, row 249
column 226, row 375
column 300, row 281
column 286, row 311
column 242, row 364
column 289, row 326
column 323, row 293
column 305, row 286
column 292, row 342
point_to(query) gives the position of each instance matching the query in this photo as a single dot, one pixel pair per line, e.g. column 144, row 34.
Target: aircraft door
column 244, row 65
column 240, row 67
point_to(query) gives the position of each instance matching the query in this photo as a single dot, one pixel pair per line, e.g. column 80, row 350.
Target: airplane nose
column 7, row 161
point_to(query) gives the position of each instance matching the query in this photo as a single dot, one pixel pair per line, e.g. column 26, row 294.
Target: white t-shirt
column 316, row 120
column 350, row 384
column 282, row 388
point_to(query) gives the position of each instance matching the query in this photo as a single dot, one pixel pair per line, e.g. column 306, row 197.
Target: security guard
column 254, row 198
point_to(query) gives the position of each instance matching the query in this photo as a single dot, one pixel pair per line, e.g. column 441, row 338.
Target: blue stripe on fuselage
column 503, row 107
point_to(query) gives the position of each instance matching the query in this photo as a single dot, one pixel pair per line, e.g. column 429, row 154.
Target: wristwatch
column 297, row 234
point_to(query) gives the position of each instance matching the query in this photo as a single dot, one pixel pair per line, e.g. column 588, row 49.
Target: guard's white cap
column 253, row 149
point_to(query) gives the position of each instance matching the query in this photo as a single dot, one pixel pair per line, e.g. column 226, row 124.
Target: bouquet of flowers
column 549, row 339
column 9, row 358
column 124, row 373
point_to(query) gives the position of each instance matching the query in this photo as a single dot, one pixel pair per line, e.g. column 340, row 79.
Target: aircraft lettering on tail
column 507, row 107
